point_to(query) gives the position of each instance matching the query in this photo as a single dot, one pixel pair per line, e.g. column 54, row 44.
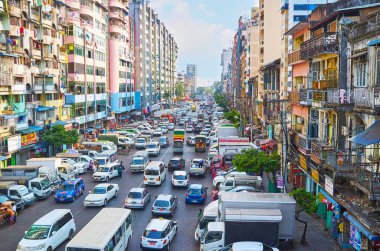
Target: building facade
column 191, row 74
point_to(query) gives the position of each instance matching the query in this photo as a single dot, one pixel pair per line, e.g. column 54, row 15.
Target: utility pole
column 284, row 145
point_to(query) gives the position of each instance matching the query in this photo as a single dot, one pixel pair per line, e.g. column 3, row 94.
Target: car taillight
column 203, row 195
column 164, row 241
column 187, row 194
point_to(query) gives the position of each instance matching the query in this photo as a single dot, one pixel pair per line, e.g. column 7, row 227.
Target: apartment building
column 191, row 73
column 155, row 57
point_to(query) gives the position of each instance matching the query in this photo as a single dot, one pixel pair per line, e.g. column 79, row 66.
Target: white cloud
column 201, row 8
column 199, row 41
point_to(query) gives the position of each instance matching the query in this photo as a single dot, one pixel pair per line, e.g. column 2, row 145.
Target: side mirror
column 175, row 223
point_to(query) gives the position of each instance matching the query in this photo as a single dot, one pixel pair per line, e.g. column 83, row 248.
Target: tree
column 253, row 160
column 179, row 89
column 221, row 100
column 166, row 95
column 232, row 116
column 218, row 87
column 58, row 136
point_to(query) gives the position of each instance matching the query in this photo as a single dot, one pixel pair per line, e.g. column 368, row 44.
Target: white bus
column 110, row 229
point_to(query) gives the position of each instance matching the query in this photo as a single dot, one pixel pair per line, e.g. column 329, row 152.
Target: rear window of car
column 161, row 203
column 180, row 177
column 153, row 234
column 135, row 195
column 151, row 172
column 174, row 162
column 195, row 191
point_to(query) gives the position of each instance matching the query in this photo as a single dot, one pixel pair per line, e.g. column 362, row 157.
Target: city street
column 185, row 215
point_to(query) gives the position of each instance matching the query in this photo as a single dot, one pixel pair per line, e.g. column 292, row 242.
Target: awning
column 10, row 116
column 368, row 137
column 4, row 54
column 89, row 130
column 98, row 126
column 361, row 227
column 44, row 108
column 358, row 54
column 373, row 42
column 31, row 129
column 3, row 158
column 329, row 198
column 58, row 122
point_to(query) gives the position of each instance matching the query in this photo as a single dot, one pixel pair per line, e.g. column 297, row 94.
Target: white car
column 189, row 128
column 147, row 132
column 195, row 168
column 89, row 162
column 101, row 194
column 180, row 179
column 171, row 126
column 157, row 132
column 106, row 172
column 128, row 141
column 221, row 178
column 79, row 167
column 159, row 234
column 164, row 129
column 153, row 148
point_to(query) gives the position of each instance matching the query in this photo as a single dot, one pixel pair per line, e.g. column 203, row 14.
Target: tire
column 116, row 194
column 105, row 203
column 107, row 178
column 71, row 234
column 49, row 249
column 168, row 247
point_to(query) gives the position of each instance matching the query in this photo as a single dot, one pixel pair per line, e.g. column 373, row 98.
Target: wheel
column 168, row 247
column 105, row 203
column 116, row 193
column 49, row 249
column 186, row 202
column 82, row 191
column 71, row 234
column 107, row 178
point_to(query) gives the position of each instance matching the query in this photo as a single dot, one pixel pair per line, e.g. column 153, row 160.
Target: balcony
column 116, row 3
column 14, row 9
column 319, row 99
column 86, row 10
column 340, row 98
column 294, row 57
column 14, row 30
column 319, row 151
column 73, row 4
column 115, row 27
column 18, row 88
column 324, row 44
column 367, row 97
column 306, row 96
column 370, row 26
column 46, row 19
column 38, row 88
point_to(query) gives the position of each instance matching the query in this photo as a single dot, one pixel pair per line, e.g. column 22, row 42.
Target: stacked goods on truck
column 178, row 139
column 17, row 192
column 265, row 217
column 167, row 118
column 117, row 139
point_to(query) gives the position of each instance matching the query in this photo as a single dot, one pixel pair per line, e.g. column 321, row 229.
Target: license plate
column 150, row 182
column 133, row 202
column 152, row 243
column 180, row 182
column 161, row 209
column 195, row 201
column 61, row 199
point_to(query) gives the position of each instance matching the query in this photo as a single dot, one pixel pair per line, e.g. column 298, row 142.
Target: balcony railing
column 319, row 98
column 370, row 26
column 306, row 96
column 368, row 97
column 325, row 43
column 295, row 97
column 294, row 57
column 340, row 97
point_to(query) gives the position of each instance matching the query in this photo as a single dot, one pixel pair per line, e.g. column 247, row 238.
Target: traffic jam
column 87, row 174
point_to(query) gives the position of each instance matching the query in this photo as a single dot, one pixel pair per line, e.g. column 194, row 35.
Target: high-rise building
column 191, row 73
column 225, row 62
column 155, row 57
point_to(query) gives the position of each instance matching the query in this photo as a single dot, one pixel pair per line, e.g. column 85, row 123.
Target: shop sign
column 329, row 185
column 303, row 163
column 280, row 182
column 355, row 238
column 315, row 175
column 29, row 139
column 14, row 143
column 376, row 244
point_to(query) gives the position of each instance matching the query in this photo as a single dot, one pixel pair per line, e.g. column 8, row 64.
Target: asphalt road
column 185, row 215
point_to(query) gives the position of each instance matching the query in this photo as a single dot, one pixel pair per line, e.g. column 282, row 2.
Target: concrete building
column 191, row 73
column 155, row 57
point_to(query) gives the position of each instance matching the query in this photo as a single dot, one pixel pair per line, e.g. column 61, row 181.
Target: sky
column 202, row 28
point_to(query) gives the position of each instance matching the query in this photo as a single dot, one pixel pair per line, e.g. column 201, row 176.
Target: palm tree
column 179, row 89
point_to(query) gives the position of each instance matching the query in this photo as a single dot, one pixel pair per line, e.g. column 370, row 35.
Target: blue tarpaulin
column 44, row 108
column 361, row 227
column 8, row 55
column 368, row 137
column 31, row 129
column 373, row 42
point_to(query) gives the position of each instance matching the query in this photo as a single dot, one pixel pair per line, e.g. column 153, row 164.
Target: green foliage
column 232, row 116
column 179, row 89
column 58, row 136
column 305, row 200
column 218, row 87
column 253, row 160
column 221, row 100
column 166, row 95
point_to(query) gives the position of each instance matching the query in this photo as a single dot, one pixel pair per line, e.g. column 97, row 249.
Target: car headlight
column 69, row 196
column 41, row 246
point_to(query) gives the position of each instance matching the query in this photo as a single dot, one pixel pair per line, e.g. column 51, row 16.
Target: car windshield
column 136, row 161
column 104, row 169
column 23, row 191
column 135, row 195
column 152, row 146
column 174, row 162
column 67, row 187
column 151, row 172
column 101, row 161
column 153, row 234
column 179, row 177
column 164, row 127
column 161, row 203
column 140, row 140
column 99, row 190
column 195, row 192
column 37, row 232
column 163, row 140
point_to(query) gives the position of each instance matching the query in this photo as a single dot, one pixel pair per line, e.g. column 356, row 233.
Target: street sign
column 280, row 182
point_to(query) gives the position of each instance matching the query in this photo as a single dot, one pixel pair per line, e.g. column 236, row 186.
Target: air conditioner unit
column 345, row 131
column 325, row 121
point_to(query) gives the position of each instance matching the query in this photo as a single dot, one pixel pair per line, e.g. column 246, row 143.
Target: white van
column 139, row 161
column 155, row 173
column 49, row 232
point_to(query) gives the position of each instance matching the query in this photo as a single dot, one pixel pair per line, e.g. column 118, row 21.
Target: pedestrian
column 214, row 194
column 201, row 163
column 121, row 164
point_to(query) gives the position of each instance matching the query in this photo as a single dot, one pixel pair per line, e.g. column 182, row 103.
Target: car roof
column 158, row 224
column 51, row 217
column 73, row 181
column 164, row 196
column 137, row 189
column 197, row 160
column 176, row 158
column 163, row 137
column 179, row 173
column 105, row 185
column 153, row 143
column 195, row 186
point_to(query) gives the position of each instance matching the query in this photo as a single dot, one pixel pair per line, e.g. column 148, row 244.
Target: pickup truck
column 17, row 192
column 39, row 186
column 241, row 180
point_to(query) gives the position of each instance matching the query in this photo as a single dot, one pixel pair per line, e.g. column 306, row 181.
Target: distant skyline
column 202, row 29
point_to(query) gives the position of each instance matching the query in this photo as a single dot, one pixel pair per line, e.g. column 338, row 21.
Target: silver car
column 196, row 168
column 165, row 204
column 137, row 198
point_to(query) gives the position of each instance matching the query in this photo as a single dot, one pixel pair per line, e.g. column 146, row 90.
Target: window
column 305, row 6
column 118, row 235
column 89, row 54
column 360, row 71
column 213, row 236
column 299, row 18
column 89, row 69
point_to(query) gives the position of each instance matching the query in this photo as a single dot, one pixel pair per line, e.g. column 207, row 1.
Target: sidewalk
column 316, row 238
